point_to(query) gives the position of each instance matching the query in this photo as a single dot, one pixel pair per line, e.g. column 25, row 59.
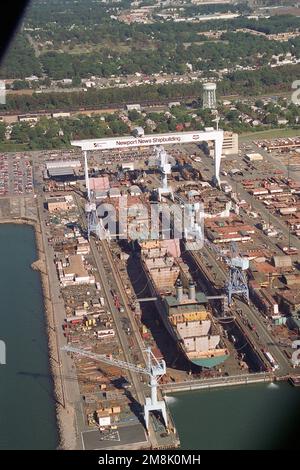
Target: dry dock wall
column 217, row 383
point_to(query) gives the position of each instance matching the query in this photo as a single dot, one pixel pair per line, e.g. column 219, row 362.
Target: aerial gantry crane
column 94, row 224
column 155, row 369
column 237, row 282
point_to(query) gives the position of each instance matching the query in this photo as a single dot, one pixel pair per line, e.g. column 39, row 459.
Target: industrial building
column 254, row 157
column 58, row 204
column 72, row 271
column 62, row 170
column 65, row 173
column 230, row 143
column 133, row 107
column 101, row 183
column 75, row 164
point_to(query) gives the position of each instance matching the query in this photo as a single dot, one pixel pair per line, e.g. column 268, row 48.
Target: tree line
column 243, row 83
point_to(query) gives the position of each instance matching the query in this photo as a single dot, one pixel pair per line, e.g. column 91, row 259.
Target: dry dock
column 207, row 384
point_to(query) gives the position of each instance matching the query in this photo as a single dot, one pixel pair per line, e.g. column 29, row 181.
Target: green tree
column 271, row 118
column 134, row 115
column 2, row 131
column 76, row 81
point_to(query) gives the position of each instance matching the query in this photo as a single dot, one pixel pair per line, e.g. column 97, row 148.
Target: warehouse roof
column 282, row 261
column 63, row 164
column 291, row 296
column 100, row 183
column 57, row 171
column 76, row 266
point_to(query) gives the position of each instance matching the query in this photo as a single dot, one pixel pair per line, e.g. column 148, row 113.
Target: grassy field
column 12, row 147
column 269, row 134
column 87, row 48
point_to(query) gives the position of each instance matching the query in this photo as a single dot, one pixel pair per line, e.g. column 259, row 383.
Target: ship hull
column 208, row 361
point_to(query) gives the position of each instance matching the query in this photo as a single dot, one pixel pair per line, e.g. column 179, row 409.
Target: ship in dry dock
column 184, row 311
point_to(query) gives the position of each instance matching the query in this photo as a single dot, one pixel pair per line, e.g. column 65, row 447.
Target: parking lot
column 125, row 435
column 15, row 175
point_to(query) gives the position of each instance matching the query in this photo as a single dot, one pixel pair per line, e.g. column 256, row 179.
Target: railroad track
column 121, row 335
column 124, row 297
column 117, row 106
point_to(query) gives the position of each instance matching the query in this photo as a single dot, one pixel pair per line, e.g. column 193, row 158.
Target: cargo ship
column 185, row 313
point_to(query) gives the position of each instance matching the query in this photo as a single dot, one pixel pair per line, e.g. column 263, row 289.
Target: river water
column 264, row 416
column 27, row 405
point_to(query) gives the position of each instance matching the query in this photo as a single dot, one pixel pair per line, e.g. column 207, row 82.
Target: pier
column 245, row 379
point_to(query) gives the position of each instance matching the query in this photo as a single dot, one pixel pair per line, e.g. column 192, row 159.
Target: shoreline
column 65, row 414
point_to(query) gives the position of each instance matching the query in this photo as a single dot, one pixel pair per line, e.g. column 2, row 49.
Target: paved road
column 125, row 435
column 70, row 387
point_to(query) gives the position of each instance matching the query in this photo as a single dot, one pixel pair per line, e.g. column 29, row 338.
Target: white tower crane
column 217, row 120
column 86, row 176
column 163, row 161
column 193, row 228
column 93, row 222
column 155, row 370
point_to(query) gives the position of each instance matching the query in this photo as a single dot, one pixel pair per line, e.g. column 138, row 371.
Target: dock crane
column 155, row 369
column 237, row 282
column 94, row 224
column 164, row 162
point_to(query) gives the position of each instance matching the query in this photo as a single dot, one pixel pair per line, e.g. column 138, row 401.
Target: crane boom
column 106, row 359
column 155, row 370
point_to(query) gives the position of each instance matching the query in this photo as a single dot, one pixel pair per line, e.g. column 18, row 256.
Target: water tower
column 209, row 96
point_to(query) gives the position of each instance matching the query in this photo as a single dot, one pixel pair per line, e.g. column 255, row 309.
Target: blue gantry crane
column 237, row 283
